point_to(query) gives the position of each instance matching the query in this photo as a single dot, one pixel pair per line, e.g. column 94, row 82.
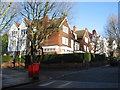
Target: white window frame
column 23, row 32
column 75, row 35
column 49, row 49
column 65, row 29
column 85, row 47
column 86, row 39
column 64, row 40
column 77, row 46
column 72, row 44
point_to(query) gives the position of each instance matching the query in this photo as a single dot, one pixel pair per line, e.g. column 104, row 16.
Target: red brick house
column 64, row 40
column 60, row 42
column 84, row 39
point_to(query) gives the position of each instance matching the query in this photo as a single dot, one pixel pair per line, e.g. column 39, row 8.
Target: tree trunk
column 31, row 58
column 14, row 62
column 42, row 51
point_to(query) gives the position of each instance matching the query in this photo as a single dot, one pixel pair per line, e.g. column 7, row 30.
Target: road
column 100, row 77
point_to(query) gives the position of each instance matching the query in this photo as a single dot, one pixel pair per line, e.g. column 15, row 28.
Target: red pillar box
column 30, row 70
column 36, row 70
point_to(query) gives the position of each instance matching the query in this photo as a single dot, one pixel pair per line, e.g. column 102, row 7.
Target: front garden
column 59, row 60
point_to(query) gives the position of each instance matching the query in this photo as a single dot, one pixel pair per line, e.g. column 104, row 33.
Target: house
column 84, row 39
column 59, row 42
column 62, row 41
column 114, row 49
column 99, row 44
column 17, row 38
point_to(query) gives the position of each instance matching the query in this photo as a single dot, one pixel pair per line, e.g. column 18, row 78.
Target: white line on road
column 45, row 84
column 63, row 85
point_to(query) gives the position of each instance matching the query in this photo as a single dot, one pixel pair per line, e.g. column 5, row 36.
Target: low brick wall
column 10, row 64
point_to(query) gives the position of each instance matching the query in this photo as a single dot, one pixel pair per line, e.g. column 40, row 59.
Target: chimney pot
column 86, row 28
column 74, row 28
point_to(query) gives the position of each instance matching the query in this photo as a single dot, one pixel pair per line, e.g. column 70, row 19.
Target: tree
column 112, row 31
column 97, row 44
column 87, row 59
column 7, row 13
column 41, row 27
column 4, row 43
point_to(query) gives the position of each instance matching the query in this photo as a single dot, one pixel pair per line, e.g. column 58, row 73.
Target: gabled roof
column 27, row 21
column 90, row 35
column 18, row 24
column 49, row 23
column 80, row 33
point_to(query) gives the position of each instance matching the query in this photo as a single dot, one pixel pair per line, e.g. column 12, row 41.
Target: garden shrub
column 27, row 60
column 62, row 58
column 6, row 58
column 22, row 59
column 93, row 58
column 87, row 57
column 68, row 58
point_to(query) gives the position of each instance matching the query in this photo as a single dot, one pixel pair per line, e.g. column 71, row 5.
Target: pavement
column 18, row 77
column 100, row 77
column 105, row 76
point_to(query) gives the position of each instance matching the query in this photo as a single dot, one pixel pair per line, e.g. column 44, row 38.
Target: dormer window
column 65, row 29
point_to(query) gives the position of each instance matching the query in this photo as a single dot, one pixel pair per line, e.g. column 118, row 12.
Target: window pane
column 65, row 29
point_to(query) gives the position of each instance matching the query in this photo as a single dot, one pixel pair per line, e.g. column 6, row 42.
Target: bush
column 87, row 57
column 22, row 59
column 27, row 60
column 6, row 58
column 67, row 58
column 93, row 58
column 60, row 58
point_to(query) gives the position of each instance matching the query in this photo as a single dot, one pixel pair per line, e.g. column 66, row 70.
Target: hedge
column 87, row 57
column 59, row 58
column 72, row 58
column 6, row 58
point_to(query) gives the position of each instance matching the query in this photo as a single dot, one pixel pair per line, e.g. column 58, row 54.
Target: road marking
column 63, row 85
column 45, row 84
column 107, row 65
column 78, row 84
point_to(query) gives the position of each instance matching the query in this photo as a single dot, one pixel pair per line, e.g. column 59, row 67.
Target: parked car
column 114, row 62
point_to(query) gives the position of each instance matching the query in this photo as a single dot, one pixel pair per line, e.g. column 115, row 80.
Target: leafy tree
column 4, row 43
column 41, row 27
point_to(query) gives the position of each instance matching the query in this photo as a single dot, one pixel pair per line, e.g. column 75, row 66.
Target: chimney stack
column 46, row 18
column 74, row 28
column 86, row 28
column 94, row 32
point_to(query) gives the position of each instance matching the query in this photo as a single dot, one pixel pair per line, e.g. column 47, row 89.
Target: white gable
column 13, row 28
column 23, row 25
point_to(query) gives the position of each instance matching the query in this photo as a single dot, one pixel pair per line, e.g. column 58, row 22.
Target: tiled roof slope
column 80, row 33
column 27, row 21
column 18, row 24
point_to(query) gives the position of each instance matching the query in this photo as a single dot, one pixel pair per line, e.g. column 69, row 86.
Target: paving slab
column 16, row 77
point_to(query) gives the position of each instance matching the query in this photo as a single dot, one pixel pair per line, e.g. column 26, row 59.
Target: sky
column 92, row 15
